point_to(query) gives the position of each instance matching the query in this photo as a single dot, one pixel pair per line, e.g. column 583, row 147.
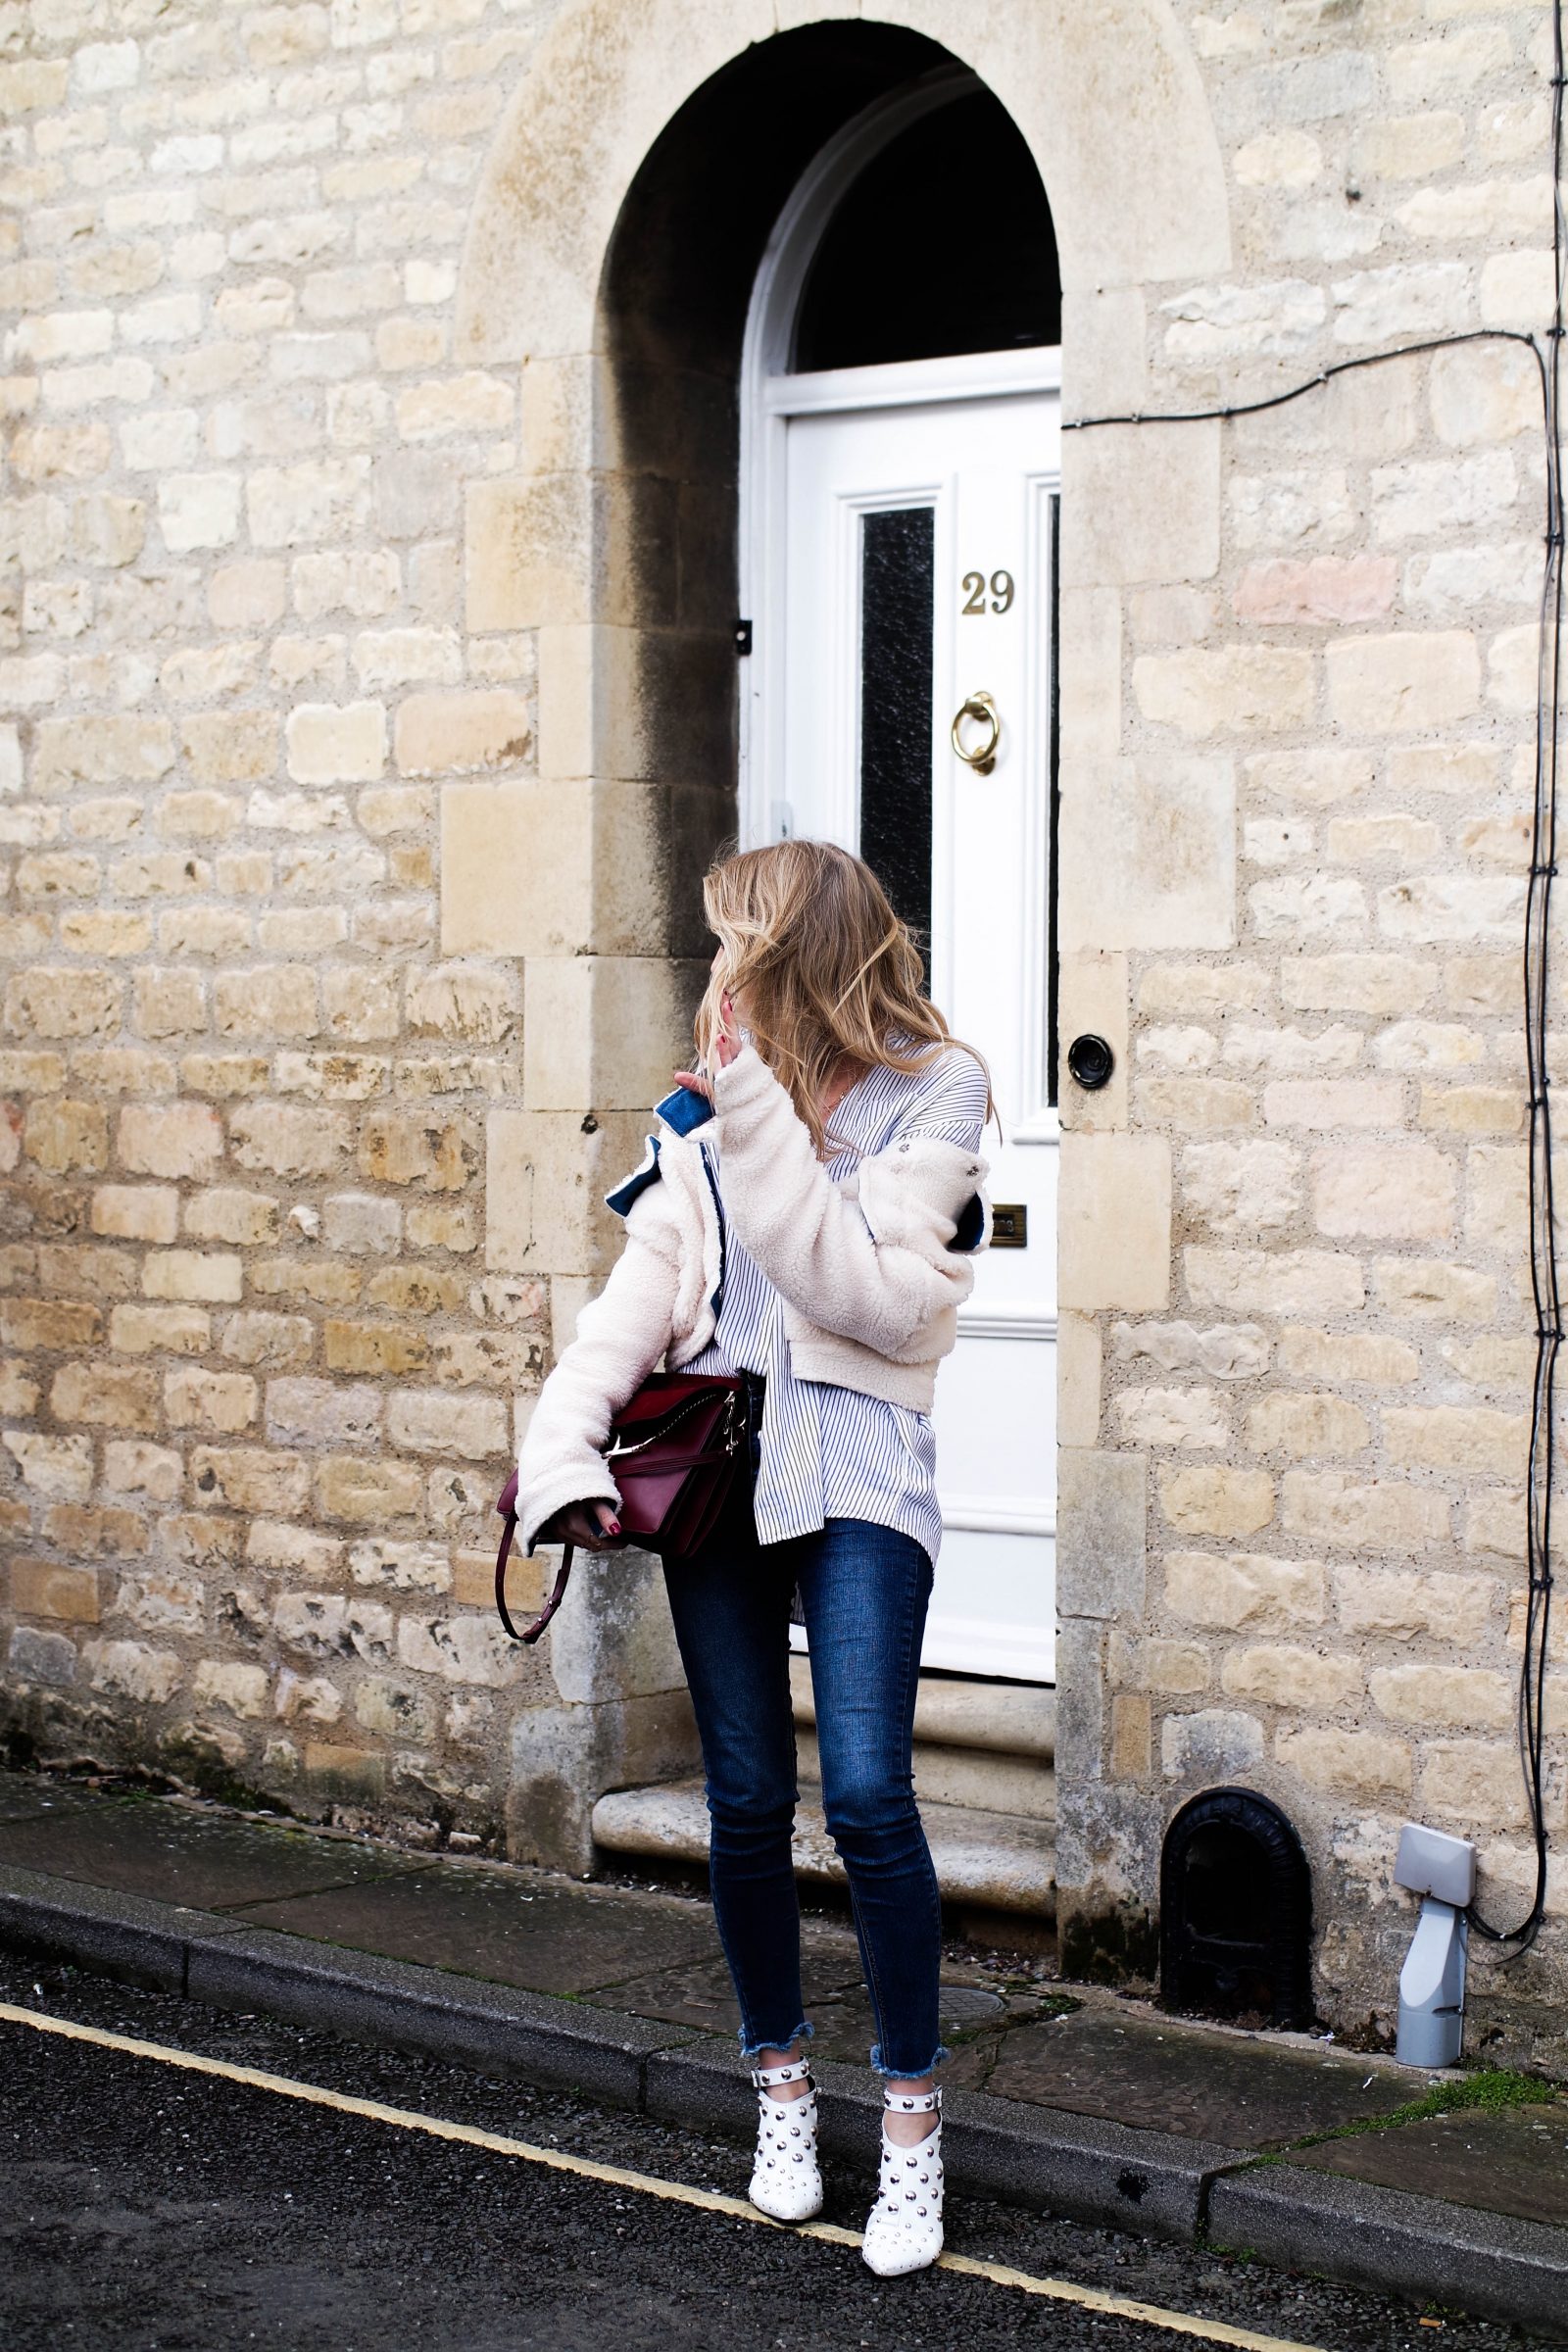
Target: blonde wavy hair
column 828, row 972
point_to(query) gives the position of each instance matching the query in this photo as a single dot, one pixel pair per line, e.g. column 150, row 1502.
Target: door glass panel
column 896, row 614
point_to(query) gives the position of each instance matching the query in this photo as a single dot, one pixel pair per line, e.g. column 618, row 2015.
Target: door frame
column 769, row 396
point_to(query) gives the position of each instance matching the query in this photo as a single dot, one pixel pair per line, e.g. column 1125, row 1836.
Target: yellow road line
column 647, row 2184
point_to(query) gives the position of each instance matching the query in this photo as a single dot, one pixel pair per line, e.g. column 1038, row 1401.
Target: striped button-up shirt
column 829, row 1452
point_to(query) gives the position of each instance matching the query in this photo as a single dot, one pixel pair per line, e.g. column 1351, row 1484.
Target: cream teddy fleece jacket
column 865, row 1269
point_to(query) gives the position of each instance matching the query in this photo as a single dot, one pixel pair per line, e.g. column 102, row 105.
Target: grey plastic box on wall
column 1430, row 1862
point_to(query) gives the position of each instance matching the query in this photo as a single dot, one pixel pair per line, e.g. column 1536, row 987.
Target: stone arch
column 613, row 541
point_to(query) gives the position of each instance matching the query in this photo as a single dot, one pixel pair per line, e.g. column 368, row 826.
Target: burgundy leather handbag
column 677, row 1449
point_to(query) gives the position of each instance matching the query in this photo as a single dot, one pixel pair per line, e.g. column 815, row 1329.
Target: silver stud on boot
column 785, row 2183
column 903, row 2229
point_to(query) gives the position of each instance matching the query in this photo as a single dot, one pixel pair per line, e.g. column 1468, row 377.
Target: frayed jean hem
column 750, row 2051
column 907, row 2074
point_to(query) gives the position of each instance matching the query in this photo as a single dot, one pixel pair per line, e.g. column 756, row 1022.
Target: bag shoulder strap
column 529, row 1632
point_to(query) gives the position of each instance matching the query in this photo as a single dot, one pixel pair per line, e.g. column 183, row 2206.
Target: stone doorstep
column 996, row 1861
column 1103, row 2173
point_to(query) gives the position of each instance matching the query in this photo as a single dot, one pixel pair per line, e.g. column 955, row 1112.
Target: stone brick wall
column 1293, row 1541
column 261, row 1370
column 343, row 826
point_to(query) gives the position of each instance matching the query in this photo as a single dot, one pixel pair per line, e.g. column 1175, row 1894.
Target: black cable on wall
column 1544, row 1268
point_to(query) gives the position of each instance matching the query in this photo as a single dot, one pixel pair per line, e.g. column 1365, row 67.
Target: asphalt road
column 144, row 2206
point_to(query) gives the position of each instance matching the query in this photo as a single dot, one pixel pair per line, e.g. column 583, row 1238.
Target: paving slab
column 512, row 1926
column 28, row 1795
column 1197, row 2086
column 1515, row 2162
column 172, row 1855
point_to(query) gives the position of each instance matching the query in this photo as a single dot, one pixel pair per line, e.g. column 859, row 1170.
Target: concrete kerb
column 1084, row 2169
column 1490, row 2264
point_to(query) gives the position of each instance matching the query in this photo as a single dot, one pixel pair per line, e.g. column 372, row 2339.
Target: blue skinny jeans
column 863, row 1591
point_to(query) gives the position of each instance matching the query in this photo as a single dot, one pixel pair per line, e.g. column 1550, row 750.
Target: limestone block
column 225, row 1213
column 438, row 1150
column 1497, row 1204
column 1363, row 1765
column 276, row 1343
column 1203, row 989
column 1148, row 853
column 51, row 1466
column 349, row 1487
column 50, row 1589
column 362, row 1224
column 1321, row 588
column 434, row 1421
column 1186, row 1417
column 107, row 1396
column 1516, row 289
column 1102, row 1513
column 1240, row 1189
column 241, row 1689
column 50, row 1323
column 1298, row 507
column 1224, row 1351
column 65, row 1138
column 1343, row 1355
column 1434, row 1289
column 1171, row 1669
column 1308, row 1424
column 1408, row 298
column 1410, row 146
column 1131, row 1736
column 1289, row 1674
column 363, row 582
column 1443, row 1695
column 1484, row 392
column 192, row 1274
column 198, row 510
column 1089, row 696
column 1393, row 1192
column 1328, row 1506
column 324, row 1413
column 131, row 1467
column 294, row 1142
column 1474, row 1784
column 1334, row 1104
column 133, row 1670
column 170, row 1139
column 160, row 1330
column 462, row 1649
column 605, row 1030
column 1458, row 1438
column 330, row 742
column 1401, row 1602
column 34, row 1656
column 1402, row 682
column 220, row 1402
column 446, row 734
column 1078, row 1363
column 1263, row 1282
column 1210, row 323
column 1310, row 779
column 1140, row 502
column 613, row 1637
column 1213, row 1743
column 308, row 1698
column 1244, row 1589
column 1213, row 1500
column 1234, row 689
column 637, row 705
column 545, row 1178
column 1115, row 1249
column 1104, row 358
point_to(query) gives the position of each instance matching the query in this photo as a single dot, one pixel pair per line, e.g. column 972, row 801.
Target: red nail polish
column 614, row 1527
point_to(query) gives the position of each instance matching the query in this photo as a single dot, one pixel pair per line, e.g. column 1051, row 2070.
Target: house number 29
column 975, row 585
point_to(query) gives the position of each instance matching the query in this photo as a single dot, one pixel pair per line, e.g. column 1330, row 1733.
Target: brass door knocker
column 981, row 756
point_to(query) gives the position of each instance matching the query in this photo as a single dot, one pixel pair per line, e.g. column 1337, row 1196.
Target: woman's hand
column 726, row 1045
column 591, row 1526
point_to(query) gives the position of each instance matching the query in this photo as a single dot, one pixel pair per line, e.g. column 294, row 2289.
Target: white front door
column 916, row 573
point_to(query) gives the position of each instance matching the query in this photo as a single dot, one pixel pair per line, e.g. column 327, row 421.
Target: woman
column 812, row 1232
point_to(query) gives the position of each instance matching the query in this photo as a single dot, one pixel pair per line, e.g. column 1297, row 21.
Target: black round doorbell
column 1091, row 1061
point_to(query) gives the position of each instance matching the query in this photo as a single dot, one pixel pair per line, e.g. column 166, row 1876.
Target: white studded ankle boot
column 785, row 2183
column 903, row 2229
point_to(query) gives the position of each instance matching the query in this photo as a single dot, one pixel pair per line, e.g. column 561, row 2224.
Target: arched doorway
column 642, row 164
column 899, row 482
